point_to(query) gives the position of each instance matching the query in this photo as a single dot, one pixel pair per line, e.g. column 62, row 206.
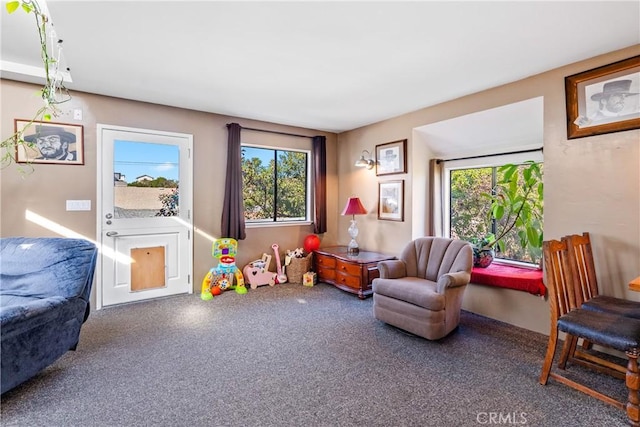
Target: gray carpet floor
column 289, row 355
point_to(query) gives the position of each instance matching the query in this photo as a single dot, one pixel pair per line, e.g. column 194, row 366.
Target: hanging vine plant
column 53, row 92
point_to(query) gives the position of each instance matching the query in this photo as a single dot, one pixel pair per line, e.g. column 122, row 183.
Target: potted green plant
column 516, row 203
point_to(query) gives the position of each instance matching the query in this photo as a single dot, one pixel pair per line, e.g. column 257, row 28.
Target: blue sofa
column 45, row 284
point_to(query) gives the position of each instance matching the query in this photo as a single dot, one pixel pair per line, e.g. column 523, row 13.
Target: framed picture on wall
column 391, row 200
column 391, row 158
column 603, row 100
column 49, row 142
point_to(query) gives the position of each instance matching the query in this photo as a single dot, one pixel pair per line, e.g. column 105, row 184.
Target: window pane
column 292, row 185
column 258, row 170
column 145, row 179
column 513, row 248
column 469, row 210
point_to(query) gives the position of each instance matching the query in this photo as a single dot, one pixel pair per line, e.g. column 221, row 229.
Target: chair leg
column 633, row 384
column 568, row 349
column 548, row 358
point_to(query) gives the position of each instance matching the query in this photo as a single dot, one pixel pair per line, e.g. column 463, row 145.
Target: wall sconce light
column 354, row 207
column 367, row 162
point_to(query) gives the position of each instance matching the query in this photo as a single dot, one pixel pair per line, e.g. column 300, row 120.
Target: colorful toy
column 311, row 243
column 257, row 272
column 282, row 278
column 296, row 253
column 309, row 278
column 221, row 277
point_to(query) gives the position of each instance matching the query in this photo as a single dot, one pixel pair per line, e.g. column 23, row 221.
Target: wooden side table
column 351, row 273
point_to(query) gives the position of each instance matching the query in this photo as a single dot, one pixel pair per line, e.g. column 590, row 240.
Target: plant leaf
column 498, row 212
column 12, row 6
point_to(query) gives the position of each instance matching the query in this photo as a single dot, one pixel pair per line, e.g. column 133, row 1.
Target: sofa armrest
column 392, row 269
column 30, row 315
column 452, row 280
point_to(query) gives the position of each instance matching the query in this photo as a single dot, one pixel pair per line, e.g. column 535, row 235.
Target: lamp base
column 353, row 232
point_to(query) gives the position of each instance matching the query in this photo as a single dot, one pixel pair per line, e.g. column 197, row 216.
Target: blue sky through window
column 264, row 154
column 134, row 159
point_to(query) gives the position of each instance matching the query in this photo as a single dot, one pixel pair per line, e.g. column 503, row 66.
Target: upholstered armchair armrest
column 451, row 280
column 392, row 269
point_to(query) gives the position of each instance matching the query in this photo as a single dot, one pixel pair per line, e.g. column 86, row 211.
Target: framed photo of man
column 49, row 142
column 391, row 158
column 604, row 100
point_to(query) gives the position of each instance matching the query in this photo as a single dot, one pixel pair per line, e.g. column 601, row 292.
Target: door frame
column 99, row 181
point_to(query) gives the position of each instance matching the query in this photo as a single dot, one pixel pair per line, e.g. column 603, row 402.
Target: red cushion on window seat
column 507, row 276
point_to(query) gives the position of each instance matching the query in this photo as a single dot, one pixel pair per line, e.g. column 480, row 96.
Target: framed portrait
column 603, row 100
column 49, row 142
column 391, row 158
column 391, row 200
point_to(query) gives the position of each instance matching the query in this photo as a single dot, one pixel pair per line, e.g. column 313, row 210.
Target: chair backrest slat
column 582, row 265
column 559, row 278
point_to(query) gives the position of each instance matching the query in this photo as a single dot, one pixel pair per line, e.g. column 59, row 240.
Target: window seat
column 511, row 277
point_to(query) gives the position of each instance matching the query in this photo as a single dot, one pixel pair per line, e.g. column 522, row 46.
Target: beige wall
column 591, row 184
column 45, row 190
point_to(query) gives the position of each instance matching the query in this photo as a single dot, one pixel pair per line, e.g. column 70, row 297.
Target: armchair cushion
column 414, row 290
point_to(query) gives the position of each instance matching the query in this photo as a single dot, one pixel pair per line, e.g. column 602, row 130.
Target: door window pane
column 146, row 179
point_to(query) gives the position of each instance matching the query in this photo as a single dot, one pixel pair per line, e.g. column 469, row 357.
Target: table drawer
column 326, row 273
column 348, row 280
column 348, row 268
column 325, row 261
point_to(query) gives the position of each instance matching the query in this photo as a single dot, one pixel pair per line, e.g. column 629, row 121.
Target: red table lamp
column 354, row 207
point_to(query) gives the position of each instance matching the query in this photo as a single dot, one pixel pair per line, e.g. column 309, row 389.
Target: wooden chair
column 584, row 274
column 606, row 329
column 580, row 259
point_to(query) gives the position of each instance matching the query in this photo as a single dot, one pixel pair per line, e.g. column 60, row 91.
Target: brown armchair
column 422, row 291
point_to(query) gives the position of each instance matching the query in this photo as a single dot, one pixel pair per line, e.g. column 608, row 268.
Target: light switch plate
column 78, row 205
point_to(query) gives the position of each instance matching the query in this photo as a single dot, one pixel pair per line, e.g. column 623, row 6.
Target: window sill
column 510, row 277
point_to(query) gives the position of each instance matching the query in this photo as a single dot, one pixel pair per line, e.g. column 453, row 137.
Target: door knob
column 112, row 233
column 108, row 216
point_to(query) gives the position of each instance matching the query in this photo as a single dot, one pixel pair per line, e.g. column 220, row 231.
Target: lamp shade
column 354, row 207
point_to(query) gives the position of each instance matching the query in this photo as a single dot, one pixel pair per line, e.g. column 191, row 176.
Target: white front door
column 144, row 208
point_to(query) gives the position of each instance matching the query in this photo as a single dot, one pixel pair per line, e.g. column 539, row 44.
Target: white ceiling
column 323, row 65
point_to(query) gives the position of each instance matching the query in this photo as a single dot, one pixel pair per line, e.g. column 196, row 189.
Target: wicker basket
column 298, row 267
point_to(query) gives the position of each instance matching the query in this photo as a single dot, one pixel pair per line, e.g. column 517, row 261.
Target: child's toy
column 309, row 278
column 311, row 243
column 296, row 253
column 282, row 278
column 257, row 272
column 220, row 278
